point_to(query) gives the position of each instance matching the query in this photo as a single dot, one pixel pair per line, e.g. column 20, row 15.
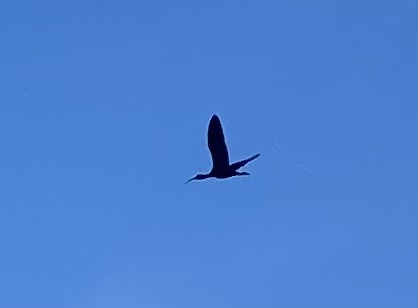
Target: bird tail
column 237, row 165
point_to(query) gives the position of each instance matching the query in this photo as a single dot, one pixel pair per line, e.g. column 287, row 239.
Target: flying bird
column 221, row 168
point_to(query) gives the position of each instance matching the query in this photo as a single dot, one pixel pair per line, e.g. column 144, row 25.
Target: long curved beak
column 190, row 180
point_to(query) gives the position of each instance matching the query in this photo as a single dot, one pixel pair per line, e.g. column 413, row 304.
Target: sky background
column 104, row 107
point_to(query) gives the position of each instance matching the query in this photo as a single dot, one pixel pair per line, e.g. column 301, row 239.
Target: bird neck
column 203, row 176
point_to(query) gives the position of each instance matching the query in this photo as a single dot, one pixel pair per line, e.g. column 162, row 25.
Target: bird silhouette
column 221, row 168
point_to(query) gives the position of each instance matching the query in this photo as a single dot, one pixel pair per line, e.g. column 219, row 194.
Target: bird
column 221, row 168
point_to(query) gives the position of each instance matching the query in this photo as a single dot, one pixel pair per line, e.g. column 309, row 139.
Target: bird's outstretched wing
column 216, row 143
column 239, row 164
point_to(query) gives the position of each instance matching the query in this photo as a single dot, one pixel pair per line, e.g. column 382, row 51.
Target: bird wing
column 217, row 145
column 237, row 165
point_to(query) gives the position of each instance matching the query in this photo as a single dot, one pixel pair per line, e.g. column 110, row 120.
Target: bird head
column 198, row 177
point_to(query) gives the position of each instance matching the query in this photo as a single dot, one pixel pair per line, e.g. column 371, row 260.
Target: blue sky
column 104, row 108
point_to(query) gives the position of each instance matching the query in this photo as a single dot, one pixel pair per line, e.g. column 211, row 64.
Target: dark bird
column 221, row 168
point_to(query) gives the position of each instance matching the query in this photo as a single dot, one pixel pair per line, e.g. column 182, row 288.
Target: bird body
column 221, row 168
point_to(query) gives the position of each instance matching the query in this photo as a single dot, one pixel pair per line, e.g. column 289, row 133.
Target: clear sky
column 104, row 107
